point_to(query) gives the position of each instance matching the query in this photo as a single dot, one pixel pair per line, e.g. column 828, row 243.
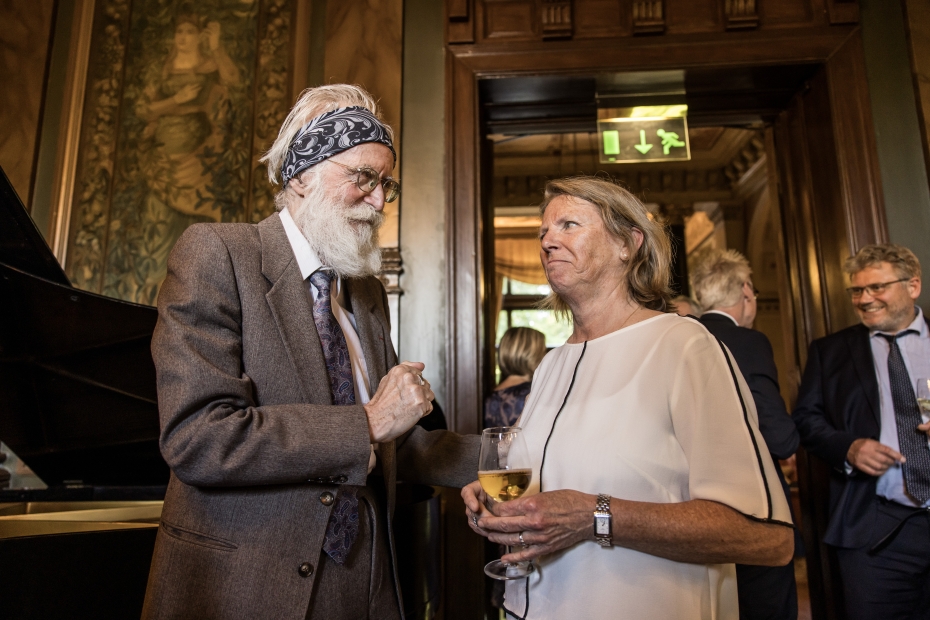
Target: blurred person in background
column 521, row 349
column 722, row 280
column 685, row 306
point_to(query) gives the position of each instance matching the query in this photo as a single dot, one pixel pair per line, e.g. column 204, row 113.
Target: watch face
column 602, row 526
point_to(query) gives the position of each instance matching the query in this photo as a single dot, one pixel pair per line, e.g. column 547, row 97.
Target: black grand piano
column 78, row 407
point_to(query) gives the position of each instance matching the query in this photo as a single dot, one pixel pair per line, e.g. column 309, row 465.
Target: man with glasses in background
column 722, row 283
column 279, row 391
column 858, row 411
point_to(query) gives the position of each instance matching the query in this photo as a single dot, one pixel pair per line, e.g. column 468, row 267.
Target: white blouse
column 654, row 416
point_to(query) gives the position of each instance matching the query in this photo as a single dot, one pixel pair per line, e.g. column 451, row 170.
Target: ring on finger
column 420, row 379
column 523, row 543
column 474, row 519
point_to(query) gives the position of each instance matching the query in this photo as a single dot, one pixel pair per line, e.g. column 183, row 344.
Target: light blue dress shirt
column 915, row 349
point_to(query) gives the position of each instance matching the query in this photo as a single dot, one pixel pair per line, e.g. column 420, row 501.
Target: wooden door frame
column 466, row 354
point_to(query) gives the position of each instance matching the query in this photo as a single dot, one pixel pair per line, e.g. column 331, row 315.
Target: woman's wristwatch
column 602, row 521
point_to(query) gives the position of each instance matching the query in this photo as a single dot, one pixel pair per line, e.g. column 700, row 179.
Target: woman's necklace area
column 627, row 320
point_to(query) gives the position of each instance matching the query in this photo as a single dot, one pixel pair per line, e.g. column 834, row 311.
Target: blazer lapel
column 292, row 310
column 861, row 355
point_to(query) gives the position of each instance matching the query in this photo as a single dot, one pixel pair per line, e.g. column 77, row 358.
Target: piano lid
column 77, row 381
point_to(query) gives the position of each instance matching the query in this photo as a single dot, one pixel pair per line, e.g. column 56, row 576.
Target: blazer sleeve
column 777, row 427
column 441, row 458
column 819, row 434
column 214, row 432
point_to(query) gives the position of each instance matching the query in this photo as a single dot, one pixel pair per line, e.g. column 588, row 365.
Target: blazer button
column 343, row 479
column 326, row 498
column 305, row 570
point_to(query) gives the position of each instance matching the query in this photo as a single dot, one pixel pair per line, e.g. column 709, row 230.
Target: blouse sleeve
column 716, row 424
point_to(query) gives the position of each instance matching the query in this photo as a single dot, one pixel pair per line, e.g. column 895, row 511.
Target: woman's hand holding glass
column 549, row 521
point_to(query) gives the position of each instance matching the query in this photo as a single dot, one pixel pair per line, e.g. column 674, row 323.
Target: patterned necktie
column 911, row 442
column 343, row 520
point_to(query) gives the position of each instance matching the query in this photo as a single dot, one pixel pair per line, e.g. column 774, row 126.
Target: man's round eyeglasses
column 874, row 289
column 367, row 179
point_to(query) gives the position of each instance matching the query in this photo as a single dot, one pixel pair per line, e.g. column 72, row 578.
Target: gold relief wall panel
column 181, row 100
column 24, row 48
column 364, row 46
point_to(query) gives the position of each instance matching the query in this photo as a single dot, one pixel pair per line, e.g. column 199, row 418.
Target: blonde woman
column 521, row 350
column 650, row 476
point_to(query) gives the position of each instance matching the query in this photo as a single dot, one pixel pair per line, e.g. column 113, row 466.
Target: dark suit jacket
column 250, row 432
column 838, row 403
column 753, row 353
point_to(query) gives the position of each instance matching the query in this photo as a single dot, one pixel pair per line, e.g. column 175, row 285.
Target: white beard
column 344, row 237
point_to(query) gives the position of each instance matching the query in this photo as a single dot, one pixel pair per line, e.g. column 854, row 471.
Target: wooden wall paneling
column 843, row 11
column 828, row 214
column 741, row 14
column 856, row 151
column 791, row 13
column 459, row 10
column 510, row 19
column 460, row 21
column 648, row 16
column 690, row 16
column 555, row 19
column 601, row 18
column 464, row 578
column 795, row 195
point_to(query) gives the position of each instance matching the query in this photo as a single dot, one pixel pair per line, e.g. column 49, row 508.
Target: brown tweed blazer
column 250, row 432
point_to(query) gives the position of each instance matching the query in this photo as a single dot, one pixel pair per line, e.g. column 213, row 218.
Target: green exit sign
column 636, row 140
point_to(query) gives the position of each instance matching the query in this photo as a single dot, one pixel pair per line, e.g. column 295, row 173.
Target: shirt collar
column 722, row 314
column 918, row 325
column 307, row 259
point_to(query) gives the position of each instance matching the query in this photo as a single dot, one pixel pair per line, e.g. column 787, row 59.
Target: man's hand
column 476, row 505
column 872, row 457
column 403, row 397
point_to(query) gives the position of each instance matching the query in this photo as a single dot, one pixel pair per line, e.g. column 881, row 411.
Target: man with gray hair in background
column 722, row 283
column 285, row 417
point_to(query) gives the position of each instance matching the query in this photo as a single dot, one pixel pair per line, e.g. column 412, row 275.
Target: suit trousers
column 894, row 583
column 362, row 587
column 767, row 592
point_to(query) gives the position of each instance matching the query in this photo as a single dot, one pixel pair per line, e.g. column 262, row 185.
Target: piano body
column 78, row 406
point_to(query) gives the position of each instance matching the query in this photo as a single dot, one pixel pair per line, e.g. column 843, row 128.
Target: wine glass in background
column 923, row 399
column 505, row 471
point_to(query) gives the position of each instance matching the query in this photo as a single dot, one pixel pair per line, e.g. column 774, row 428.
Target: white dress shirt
column 915, row 349
column 309, row 263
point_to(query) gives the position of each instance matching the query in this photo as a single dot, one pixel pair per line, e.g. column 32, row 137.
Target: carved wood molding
column 648, row 17
column 741, row 14
column 556, row 19
column 391, row 267
column 750, row 154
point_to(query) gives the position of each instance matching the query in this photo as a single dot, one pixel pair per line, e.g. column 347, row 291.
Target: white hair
column 311, row 103
column 718, row 278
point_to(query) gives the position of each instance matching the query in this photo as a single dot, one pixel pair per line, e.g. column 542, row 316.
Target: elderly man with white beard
column 285, row 417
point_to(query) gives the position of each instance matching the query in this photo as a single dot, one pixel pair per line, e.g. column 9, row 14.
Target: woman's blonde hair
column 718, row 278
column 648, row 272
column 521, row 350
column 311, row 103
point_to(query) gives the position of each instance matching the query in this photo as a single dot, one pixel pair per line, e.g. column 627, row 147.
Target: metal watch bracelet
column 603, row 532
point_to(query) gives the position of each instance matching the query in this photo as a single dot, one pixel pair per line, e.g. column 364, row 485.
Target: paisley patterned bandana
column 331, row 133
